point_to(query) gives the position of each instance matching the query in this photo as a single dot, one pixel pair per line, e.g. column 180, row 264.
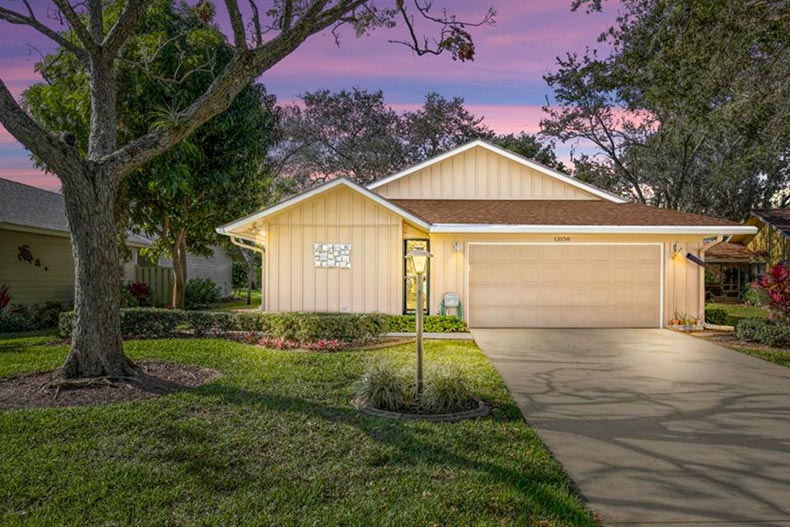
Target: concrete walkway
column 655, row 427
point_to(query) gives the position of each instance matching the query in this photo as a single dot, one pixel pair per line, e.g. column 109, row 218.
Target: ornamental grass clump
column 384, row 386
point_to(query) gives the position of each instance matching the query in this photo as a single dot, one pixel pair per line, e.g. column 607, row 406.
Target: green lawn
column 242, row 304
column 274, row 441
column 740, row 310
column 777, row 356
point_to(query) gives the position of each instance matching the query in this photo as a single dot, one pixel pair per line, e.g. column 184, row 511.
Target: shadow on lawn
column 543, row 484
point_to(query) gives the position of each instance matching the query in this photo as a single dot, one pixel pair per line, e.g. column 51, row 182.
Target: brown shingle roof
column 552, row 212
column 779, row 219
column 731, row 251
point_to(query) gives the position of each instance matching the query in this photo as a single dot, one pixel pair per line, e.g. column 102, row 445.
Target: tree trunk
column 178, row 253
column 96, row 342
column 250, row 258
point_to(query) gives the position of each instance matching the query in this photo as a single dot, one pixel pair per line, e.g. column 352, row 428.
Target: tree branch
column 256, row 21
column 96, row 20
column 12, row 17
column 78, row 27
column 124, row 27
column 237, row 24
column 57, row 154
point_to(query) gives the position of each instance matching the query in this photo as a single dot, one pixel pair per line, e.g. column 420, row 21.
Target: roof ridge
column 30, row 186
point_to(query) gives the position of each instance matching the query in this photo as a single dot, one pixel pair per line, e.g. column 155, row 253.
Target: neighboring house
column 729, row 269
column 35, row 248
column 773, row 235
column 521, row 244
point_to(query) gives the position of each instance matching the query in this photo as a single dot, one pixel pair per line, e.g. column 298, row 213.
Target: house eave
column 449, row 228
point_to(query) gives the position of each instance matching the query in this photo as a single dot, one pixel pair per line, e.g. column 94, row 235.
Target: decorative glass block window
column 337, row 255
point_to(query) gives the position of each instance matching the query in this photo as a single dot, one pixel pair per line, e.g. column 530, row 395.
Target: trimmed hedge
column 431, row 324
column 716, row 316
column 302, row 327
column 764, row 331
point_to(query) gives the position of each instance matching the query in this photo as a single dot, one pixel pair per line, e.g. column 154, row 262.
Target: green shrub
column 431, row 324
column 301, row 327
column 385, row 387
column 764, row 331
column 446, row 391
column 18, row 318
column 15, row 322
column 716, row 316
column 754, row 296
column 201, row 293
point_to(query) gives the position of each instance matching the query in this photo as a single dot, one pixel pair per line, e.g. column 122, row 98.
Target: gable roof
column 779, row 219
column 26, row 207
column 732, row 252
column 562, row 215
column 509, row 155
column 294, row 200
column 33, row 207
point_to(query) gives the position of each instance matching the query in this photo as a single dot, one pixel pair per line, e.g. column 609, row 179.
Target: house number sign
column 562, row 238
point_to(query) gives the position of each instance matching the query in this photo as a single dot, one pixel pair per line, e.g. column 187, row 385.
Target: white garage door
column 564, row 286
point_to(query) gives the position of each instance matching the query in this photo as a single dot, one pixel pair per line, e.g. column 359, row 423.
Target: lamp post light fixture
column 419, row 259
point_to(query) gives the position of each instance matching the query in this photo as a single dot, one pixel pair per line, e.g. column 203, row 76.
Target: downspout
column 253, row 246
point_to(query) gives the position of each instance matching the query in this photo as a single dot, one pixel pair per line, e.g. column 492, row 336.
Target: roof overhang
column 34, row 230
column 230, row 228
column 509, row 155
column 590, row 229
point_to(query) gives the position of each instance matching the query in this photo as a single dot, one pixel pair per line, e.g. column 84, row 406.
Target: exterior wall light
column 458, row 247
column 419, row 259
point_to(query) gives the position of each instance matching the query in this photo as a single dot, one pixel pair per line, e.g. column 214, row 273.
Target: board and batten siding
column 480, row 174
column 29, row 284
column 683, row 279
column 374, row 283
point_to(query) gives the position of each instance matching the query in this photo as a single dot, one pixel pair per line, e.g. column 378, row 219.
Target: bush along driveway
column 273, row 441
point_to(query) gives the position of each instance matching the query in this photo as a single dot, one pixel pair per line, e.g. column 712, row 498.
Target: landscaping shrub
column 139, row 294
column 201, row 293
column 307, row 329
column 775, row 285
column 431, row 324
column 446, row 391
column 385, row 387
column 18, row 318
column 5, row 298
column 15, row 322
column 764, row 331
column 754, row 296
column 716, row 316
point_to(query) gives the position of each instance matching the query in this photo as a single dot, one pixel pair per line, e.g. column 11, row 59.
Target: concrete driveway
column 655, row 427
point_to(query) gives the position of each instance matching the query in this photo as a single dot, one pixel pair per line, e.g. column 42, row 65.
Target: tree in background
column 91, row 181
column 689, row 110
column 355, row 134
column 211, row 177
column 440, row 125
column 531, row 147
column 351, row 134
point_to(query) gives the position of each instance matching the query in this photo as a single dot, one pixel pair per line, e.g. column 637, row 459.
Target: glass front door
column 410, row 278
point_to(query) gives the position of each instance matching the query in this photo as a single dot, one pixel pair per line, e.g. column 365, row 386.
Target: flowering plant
column 775, row 284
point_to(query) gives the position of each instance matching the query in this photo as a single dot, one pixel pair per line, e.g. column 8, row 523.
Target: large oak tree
column 260, row 38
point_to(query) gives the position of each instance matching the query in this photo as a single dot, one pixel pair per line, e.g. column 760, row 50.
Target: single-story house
column 35, row 248
column 521, row 245
column 729, row 269
column 772, row 239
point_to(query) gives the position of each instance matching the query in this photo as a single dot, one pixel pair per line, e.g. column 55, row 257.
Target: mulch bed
column 157, row 378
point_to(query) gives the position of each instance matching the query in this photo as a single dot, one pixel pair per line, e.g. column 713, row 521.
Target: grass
column 775, row 355
column 242, row 304
column 740, row 310
column 274, row 441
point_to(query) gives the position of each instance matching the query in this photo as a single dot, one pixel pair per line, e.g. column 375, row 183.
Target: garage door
column 564, row 286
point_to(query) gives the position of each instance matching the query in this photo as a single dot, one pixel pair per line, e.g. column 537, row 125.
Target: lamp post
column 419, row 259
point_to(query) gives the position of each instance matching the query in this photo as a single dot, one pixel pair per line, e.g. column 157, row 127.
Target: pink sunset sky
column 504, row 84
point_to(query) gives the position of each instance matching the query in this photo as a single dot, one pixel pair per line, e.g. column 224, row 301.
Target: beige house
column 522, row 245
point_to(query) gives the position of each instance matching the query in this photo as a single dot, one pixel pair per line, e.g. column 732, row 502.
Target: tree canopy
column 356, row 134
column 689, row 110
